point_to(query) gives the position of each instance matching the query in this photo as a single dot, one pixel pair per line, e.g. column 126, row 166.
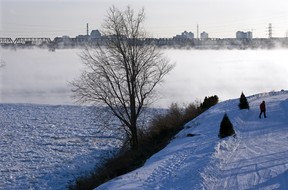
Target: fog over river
column 42, row 77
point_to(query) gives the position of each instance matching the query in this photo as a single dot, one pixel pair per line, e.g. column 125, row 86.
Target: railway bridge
column 25, row 41
column 6, row 41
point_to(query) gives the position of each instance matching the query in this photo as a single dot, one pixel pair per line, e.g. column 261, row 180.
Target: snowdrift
column 257, row 158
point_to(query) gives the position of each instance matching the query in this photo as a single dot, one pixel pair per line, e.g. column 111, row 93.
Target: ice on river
column 47, row 147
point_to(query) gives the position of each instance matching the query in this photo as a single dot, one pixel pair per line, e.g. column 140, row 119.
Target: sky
column 164, row 18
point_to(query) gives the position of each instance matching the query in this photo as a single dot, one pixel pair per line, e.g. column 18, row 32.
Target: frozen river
column 42, row 77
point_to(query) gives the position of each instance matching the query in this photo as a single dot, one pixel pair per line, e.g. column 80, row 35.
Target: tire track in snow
column 166, row 171
column 252, row 159
column 230, row 170
column 225, row 151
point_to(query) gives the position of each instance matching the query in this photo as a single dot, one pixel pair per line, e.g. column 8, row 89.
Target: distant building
column 95, row 34
column 240, row 35
column 185, row 35
column 64, row 40
column 244, row 35
column 82, row 36
column 204, row 35
column 249, row 35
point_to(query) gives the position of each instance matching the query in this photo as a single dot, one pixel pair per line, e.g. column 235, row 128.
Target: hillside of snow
column 256, row 159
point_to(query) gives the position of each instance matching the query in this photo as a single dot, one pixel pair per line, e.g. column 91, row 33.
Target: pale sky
column 164, row 18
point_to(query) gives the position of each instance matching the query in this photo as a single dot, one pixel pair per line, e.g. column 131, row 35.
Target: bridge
column 32, row 41
column 6, row 41
column 25, row 41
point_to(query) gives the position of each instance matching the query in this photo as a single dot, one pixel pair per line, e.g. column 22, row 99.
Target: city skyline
column 164, row 18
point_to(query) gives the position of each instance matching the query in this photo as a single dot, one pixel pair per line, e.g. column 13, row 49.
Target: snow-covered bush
column 226, row 128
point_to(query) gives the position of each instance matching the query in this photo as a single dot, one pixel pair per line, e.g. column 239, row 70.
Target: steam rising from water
column 39, row 76
column 42, row 77
column 225, row 73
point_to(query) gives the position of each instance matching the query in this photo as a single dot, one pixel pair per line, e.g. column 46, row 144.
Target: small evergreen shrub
column 243, row 102
column 209, row 102
column 226, row 128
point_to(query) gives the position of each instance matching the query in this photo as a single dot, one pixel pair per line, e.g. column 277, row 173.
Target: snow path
column 256, row 159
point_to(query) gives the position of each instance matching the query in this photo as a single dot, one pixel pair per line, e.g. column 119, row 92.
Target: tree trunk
column 134, row 139
column 133, row 111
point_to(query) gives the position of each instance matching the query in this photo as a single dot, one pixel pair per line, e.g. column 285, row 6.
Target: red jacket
column 262, row 106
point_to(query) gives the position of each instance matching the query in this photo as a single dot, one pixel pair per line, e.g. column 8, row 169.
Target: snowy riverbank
column 256, row 159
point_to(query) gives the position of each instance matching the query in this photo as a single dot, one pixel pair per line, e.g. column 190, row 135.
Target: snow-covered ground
column 256, row 159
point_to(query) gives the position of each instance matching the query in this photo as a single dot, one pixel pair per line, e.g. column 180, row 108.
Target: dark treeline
column 209, row 43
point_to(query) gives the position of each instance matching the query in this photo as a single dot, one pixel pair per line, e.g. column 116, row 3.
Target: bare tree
column 123, row 74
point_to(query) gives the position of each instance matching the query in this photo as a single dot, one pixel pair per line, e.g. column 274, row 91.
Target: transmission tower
column 270, row 30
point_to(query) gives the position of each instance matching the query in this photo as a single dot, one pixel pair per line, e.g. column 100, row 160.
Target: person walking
column 262, row 109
